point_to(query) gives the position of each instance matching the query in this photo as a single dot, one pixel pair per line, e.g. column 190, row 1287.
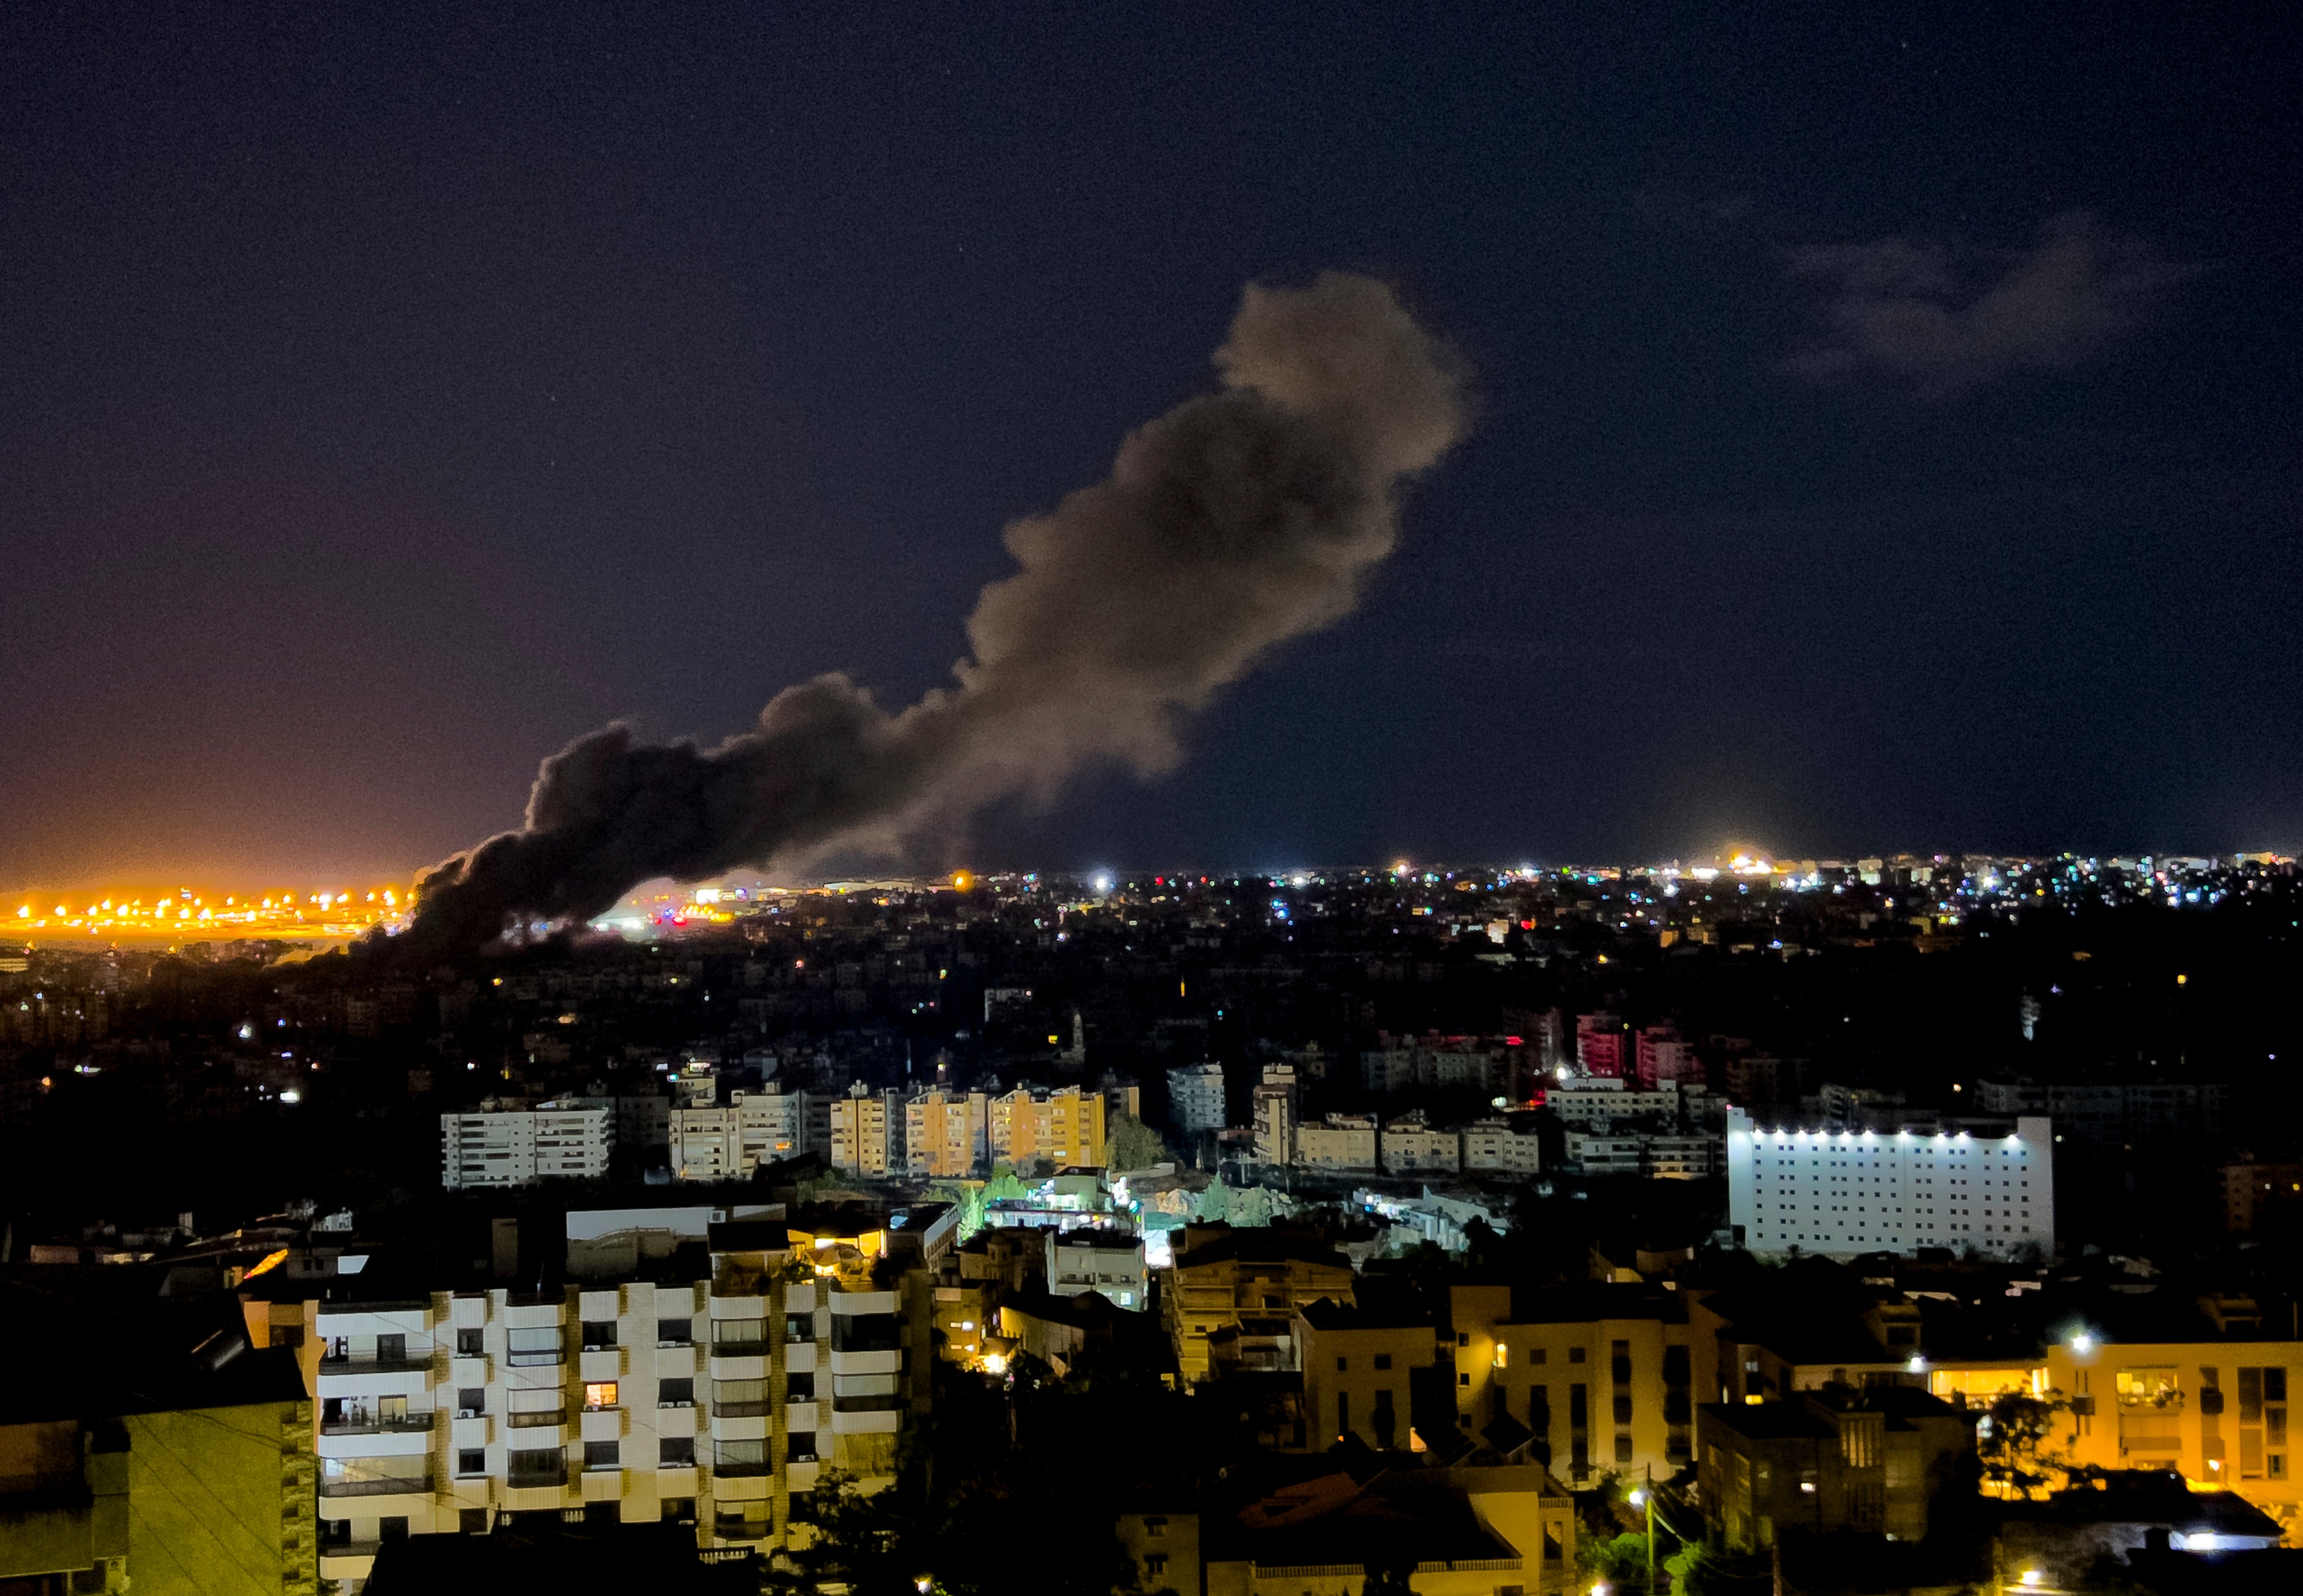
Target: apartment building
column 1065, row 1126
column 1088, row 1259
column 1410, row 1145
column 948, row 1133
column 510, row 1144
column 1341, row 1143
column 1870, row 1462
column 1358, row 1364
column 729, row 1143
column 1643, row 1153
column 1195, row 1098
column 1843, row 1193
column 867, row 1132
column 1584, row 1101
column 2213, row 1409
column 145, row 1446
column 710, row 1389
column 1232, row 1296
column 1601, row 1373
column 1274, row 1120
column 1501, row 1147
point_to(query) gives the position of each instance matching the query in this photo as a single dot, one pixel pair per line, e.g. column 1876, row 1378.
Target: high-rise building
column 1195, row 1098
column 1660, row 1054
column 509, row 1145
column 1845, row 1192
column 947, row 1134
column 1275, row 1124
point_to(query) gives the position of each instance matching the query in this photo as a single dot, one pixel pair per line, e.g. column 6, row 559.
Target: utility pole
column 1649, row 1494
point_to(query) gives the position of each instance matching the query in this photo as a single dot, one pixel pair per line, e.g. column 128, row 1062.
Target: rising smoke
column 1233, row 523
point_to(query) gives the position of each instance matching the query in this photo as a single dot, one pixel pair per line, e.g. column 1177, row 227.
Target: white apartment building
column 1660, row 1156
column 1582, row 1100
column 1847, row 1192
column 507, row 1145
column 709, row 1401
column 729, row 1143
column 1387, row 1068
column 1410, row 1146
column 1493, row 1147
column 1195, row 1098
column 1086, row 1259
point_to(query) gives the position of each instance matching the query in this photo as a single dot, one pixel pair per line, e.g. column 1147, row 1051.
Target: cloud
column 1919, row 313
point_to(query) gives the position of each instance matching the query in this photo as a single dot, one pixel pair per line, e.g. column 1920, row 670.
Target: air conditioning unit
column 467, row 1413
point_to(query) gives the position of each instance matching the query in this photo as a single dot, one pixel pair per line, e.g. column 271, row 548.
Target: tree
column 1132, row 1145
column 2015, row 1443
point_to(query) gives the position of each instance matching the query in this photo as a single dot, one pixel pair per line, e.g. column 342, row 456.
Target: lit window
column 599, row 1394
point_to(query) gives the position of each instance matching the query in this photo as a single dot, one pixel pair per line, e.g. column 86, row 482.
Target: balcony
column 552, row 1477
column 408, row 1424
column 535, row 1421
column 411, row 1485
column 407, row 1364
column 534, row 1359
column 743, row 1471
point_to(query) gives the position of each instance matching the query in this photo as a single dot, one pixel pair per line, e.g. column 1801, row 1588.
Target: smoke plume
column 1237, row 520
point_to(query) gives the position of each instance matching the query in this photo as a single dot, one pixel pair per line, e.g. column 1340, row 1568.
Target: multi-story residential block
column 948, row 1133
column 2251, row 1188
column 867, row 1132
column 1601, row 1374
column 1240, row 1289
column 1273, row 1108
column 1063, row 1126
column 1387, row 1068
column 1342, row 1143
column 2214, row 1409
column 1645, row 1153
column 1357, row 1365
column 1195, row 1098
column 1088, row 1259
column 1871, row 1462
column 510, row 1144
column 756, row 1127
column 146, row 1446
column 1410, row 1145
column 1660, row 1053
column 1586, row 1101
column 1890, row 1191
column 1599, row 1043
column 708, row 1390
column 1501, row 1147
column 2114, row 1116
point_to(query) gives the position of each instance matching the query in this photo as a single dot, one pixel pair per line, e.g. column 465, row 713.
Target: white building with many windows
column 756, row 1127
column 503, row 1145
column 710, row 1400
column 1195, row 1098
column 1844, row 1192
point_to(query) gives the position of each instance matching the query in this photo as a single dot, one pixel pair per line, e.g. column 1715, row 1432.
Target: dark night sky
column 1887, row 432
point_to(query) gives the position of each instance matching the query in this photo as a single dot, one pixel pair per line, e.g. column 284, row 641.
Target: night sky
column 1887, row 434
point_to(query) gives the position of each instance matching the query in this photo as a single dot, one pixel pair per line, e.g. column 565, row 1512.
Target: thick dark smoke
column 1233, row 523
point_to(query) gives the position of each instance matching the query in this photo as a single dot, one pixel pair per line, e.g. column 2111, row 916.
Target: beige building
column 1600, row 1373
column 2214, row 1411
column 1410, row 1146
column 1357, row 1363
column 1494, row 1148
column 947, row 1134
column 1236, row 1292
column 867, row 1131
column 1340, row 1143
column 1065, row 1126
column 520, row 1144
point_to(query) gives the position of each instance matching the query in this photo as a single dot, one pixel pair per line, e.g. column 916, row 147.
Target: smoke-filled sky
column 1884, row 430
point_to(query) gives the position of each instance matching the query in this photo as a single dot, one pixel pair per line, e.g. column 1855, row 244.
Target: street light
column 1644, row 1497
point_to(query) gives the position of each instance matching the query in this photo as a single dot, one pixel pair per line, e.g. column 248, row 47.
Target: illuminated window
column 599, row 1394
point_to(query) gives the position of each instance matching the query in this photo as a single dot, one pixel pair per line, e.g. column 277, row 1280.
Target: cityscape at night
column 1159, row 801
